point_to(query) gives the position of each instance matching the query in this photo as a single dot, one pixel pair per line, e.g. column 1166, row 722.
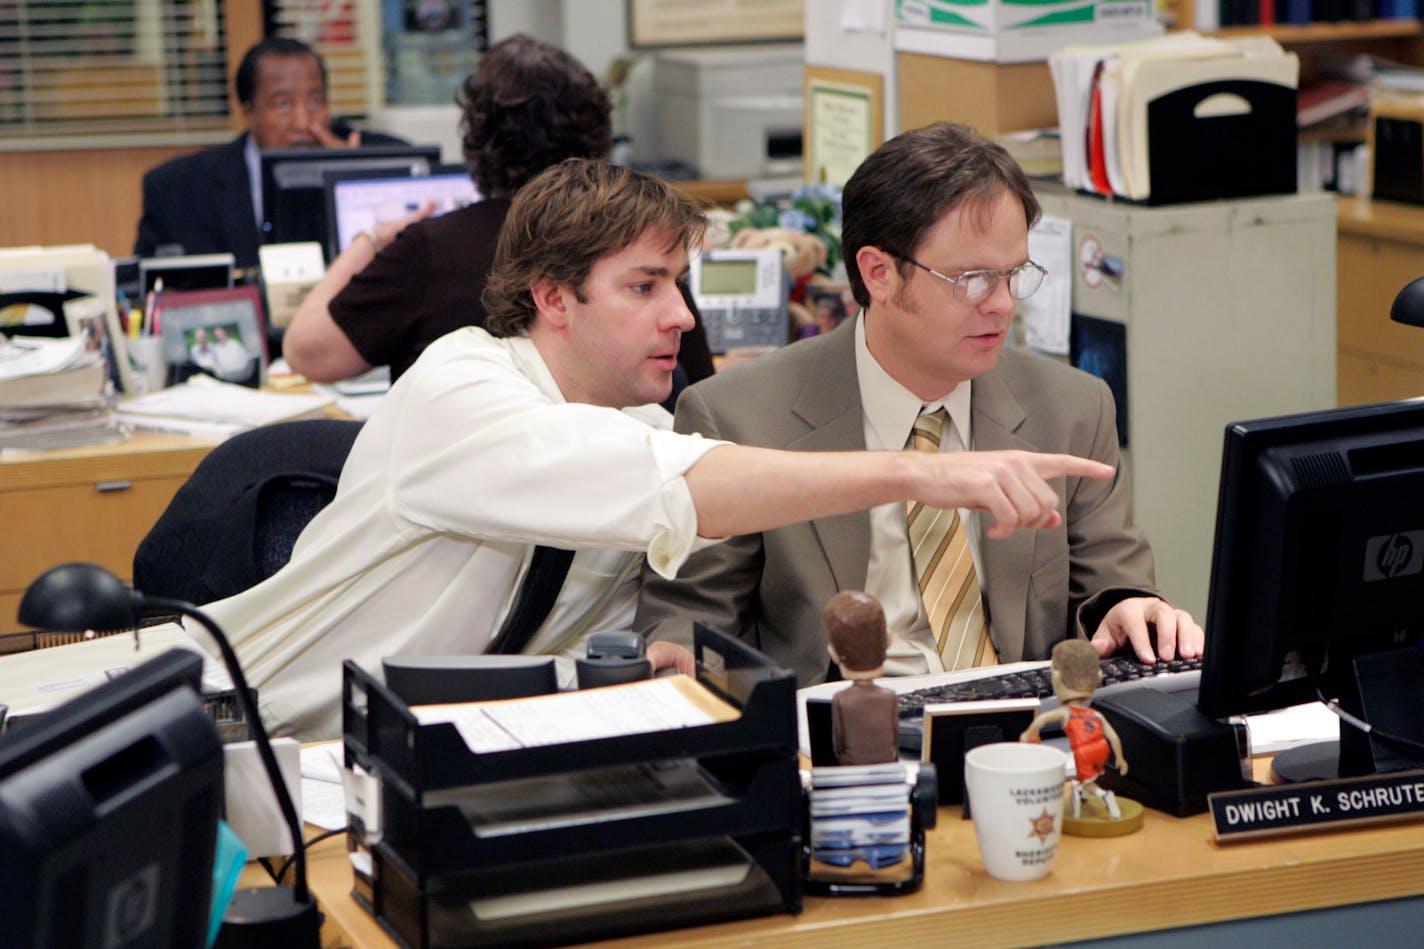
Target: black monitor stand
column 1389, row 694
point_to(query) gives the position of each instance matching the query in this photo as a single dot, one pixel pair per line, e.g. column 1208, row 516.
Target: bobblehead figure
column 865, row 718
column 1076, row 676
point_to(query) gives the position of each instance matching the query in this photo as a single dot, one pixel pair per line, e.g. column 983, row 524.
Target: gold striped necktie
column 944, row 569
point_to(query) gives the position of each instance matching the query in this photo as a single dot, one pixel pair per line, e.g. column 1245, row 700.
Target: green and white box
column 1016, row 31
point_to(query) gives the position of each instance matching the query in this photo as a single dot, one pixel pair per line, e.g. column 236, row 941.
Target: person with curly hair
column 402, row 285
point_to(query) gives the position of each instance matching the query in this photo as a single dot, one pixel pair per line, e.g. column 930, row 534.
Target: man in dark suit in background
column 210, row 201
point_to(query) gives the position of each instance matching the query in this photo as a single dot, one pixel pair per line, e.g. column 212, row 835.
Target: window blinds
column 97, row 67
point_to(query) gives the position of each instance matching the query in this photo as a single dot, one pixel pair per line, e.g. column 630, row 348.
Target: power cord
column 1398, row 742
column 286, row 864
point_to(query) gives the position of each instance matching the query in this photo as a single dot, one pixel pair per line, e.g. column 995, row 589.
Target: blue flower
column 796, row 219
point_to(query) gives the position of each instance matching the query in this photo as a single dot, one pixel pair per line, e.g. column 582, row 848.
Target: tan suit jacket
column 769, row 588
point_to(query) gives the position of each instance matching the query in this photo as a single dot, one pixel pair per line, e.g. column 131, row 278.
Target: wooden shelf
column 1291, row 35
column 714, row 192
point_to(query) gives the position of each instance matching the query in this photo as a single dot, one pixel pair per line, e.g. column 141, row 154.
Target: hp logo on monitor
column 1394, row 555
column 131, row 908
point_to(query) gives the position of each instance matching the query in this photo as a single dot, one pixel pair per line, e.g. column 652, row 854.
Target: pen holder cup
column 149, row 361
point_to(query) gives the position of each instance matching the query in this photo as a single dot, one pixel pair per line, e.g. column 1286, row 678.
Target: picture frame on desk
column 103, row 334
column 218, row 332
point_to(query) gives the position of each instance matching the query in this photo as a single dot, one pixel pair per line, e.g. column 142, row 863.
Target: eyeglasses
column 976, row 285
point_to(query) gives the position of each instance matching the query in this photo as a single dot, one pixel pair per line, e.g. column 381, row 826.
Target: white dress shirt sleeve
column 479, row 449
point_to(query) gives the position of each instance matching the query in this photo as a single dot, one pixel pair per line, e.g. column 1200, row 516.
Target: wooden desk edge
column 1327, row 870
column 142, row 455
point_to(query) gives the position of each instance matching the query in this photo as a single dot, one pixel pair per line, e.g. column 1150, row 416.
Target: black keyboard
column 1118, row 672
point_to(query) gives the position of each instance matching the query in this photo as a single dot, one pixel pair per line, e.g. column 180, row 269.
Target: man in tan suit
column 935, row 236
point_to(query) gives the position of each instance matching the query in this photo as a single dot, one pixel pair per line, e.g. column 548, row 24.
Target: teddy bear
column 802, row 256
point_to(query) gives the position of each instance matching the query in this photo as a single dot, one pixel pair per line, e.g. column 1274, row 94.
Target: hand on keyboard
column 1143, row 623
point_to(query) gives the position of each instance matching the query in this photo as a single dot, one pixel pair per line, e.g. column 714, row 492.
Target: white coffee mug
column 1015, row 793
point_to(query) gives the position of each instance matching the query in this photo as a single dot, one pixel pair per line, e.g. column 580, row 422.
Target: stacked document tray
column 484, row 844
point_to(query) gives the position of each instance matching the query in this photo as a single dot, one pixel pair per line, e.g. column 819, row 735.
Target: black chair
column 233, row 523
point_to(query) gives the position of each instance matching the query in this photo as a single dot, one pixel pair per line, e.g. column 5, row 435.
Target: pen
column 150, row 320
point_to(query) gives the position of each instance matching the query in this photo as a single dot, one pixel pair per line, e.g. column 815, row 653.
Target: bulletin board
column 845, row 121
column 709, row 22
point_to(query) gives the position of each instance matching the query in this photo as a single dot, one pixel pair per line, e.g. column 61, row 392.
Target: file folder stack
column 1178, row 118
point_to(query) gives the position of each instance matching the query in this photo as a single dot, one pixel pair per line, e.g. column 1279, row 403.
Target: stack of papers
column 36, row 681
column 860, row 814
column 633, row 708
column 52, row 394
column 1103, row 93
column 204, row 407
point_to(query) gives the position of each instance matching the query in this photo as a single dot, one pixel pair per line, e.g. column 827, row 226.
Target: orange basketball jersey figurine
column 1076, row 676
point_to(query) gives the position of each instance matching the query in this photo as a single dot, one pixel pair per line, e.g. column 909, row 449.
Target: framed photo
column 217, row 332
column 951, row 729
column 99, row 326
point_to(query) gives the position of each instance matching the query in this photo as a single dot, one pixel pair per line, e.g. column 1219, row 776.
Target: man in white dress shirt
column 542, row 429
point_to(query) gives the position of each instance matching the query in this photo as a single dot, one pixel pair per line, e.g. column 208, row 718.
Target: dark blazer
column 203, row 201
column 770, row 588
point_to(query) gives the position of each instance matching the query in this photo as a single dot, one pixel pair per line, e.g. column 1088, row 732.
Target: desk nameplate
column 1317, row 805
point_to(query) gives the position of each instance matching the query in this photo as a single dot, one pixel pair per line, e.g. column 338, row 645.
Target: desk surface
column 1168, row 875
column 1387, row 219
column 140, row 455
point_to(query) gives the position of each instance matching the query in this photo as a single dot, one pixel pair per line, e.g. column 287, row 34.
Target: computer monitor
column 185, row 272
column 294, row 189
column 359, row 200
column 1317, row 578
column 109, row 812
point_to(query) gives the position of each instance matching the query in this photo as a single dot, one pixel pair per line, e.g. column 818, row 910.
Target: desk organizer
column 1207, row 158
column 582, row 840
column 865, row 828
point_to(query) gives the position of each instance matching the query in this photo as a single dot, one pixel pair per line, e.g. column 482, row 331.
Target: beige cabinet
column 88, row 504
column 1228, row 313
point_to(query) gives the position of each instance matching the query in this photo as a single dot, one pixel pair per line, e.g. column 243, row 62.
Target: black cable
column 287, row 864
column 1397, row 742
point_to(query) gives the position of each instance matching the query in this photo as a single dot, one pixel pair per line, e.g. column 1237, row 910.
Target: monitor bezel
column 269, row 161
column 138, row 745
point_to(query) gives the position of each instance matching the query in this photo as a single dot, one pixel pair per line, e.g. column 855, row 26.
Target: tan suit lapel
column 997, row 416
column 830, row 404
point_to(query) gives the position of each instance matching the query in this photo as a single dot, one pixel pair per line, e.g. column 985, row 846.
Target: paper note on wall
column 1047, row 313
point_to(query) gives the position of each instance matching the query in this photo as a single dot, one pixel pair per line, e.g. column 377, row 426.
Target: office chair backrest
column 233, row 523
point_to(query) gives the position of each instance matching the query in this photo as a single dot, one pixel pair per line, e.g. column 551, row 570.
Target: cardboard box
column 1015, row 31
column 991, row 97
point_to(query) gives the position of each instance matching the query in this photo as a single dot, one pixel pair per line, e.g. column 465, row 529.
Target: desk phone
column 742, row 297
